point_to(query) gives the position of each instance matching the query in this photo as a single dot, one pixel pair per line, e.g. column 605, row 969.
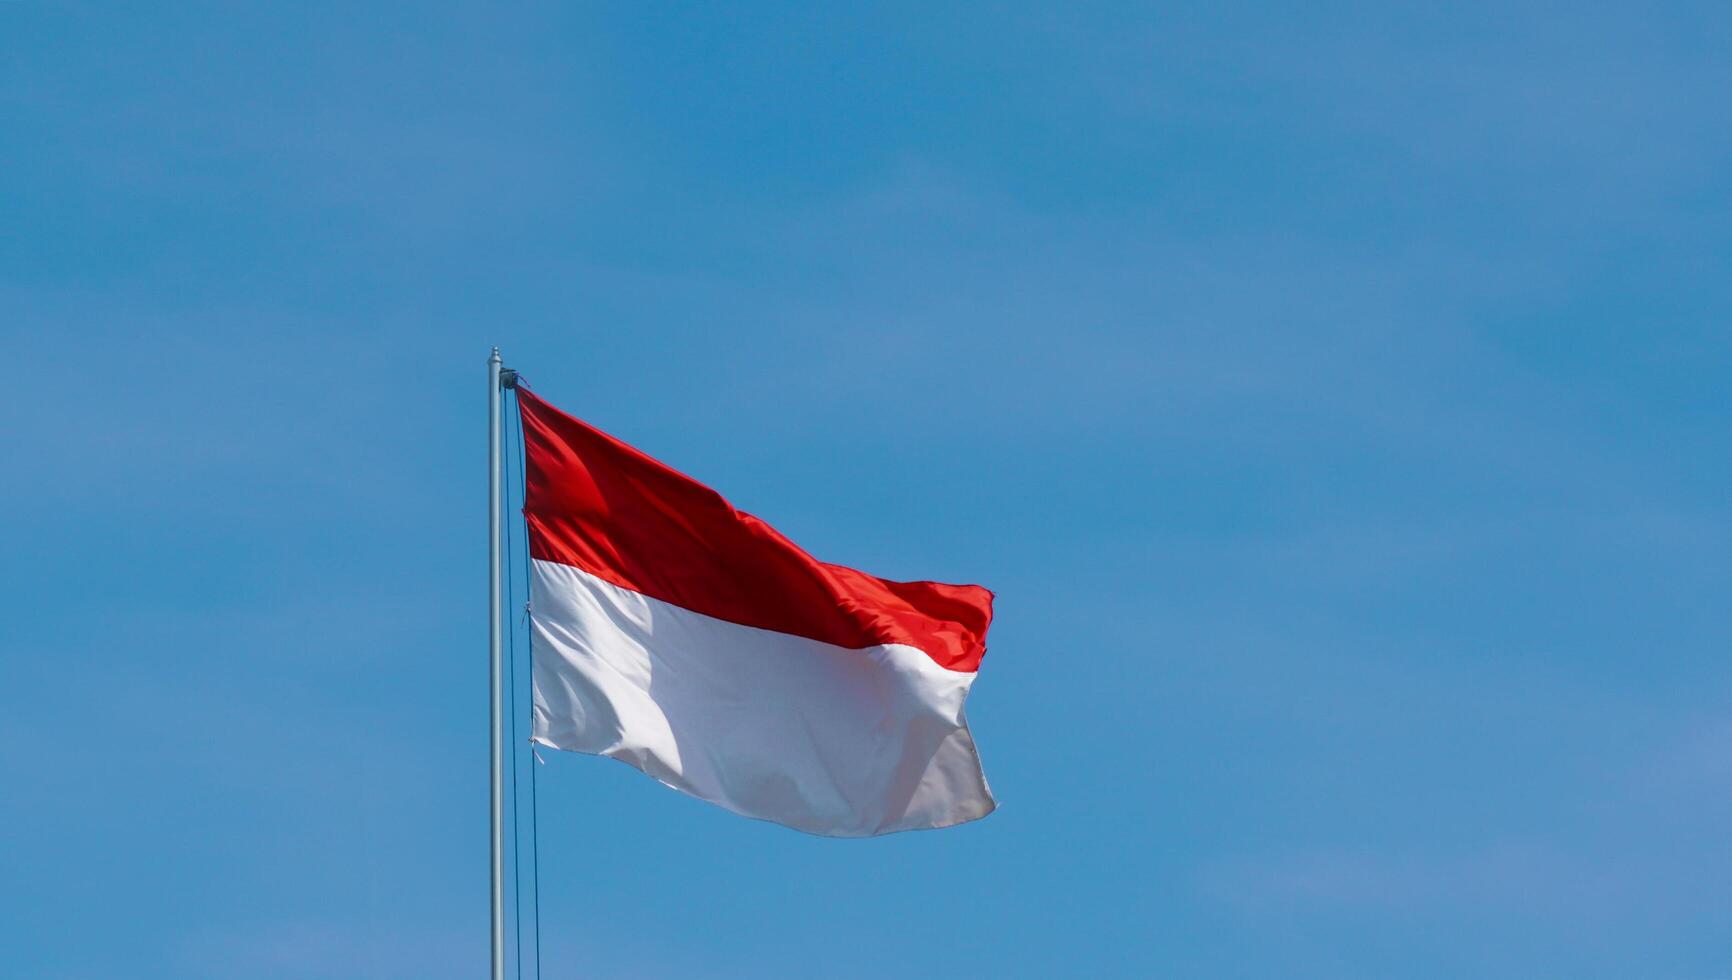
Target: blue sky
column 1335, row 395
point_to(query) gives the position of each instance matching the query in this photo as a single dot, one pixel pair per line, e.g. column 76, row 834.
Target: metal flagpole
column 495, row 620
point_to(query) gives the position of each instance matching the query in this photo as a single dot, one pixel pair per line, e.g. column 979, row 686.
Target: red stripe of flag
column 597, row 504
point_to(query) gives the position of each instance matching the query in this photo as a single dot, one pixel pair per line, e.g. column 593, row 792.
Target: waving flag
column 694, row 642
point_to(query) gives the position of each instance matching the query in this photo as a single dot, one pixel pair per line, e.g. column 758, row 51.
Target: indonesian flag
column 690, row 640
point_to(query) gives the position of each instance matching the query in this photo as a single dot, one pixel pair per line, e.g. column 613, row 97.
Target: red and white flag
column 694, row 642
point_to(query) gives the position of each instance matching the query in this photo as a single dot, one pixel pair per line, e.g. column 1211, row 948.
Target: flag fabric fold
column 694, row 642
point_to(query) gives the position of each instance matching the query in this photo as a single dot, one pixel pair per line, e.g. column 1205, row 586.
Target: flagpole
column 495, row 620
